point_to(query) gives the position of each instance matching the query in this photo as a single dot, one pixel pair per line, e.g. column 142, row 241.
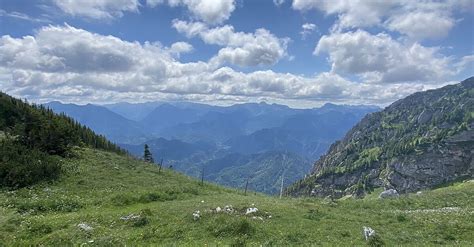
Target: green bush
column 20, row 167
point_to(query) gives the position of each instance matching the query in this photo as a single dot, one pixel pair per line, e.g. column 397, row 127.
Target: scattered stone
column 202, row 201
column 251, row 210
column 419, row 193
column 196, row 215
column 229, row 209
column 218, row 209
column 85, row 227
column 368, row 232
column 130, row 217
column 390, row 193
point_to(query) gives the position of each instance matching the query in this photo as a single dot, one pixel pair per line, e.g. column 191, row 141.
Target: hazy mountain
column 422, row 141
column 133, row 111
column 170, row 149
column 264, row 171
column 308, row 133
column 102, row 121
column 222, row 140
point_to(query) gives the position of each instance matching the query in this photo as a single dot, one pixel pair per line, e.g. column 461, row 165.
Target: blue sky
column 297, row 52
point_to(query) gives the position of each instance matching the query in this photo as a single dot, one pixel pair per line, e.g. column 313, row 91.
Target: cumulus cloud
column 415, row 19
column 97, row 9
column 307, row 29
column 51, row 65
column 243, row 49
column 209, row 11
column 179, row 48
column 379, row 58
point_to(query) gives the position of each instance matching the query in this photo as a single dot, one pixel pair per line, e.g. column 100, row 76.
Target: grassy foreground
column 120, row 201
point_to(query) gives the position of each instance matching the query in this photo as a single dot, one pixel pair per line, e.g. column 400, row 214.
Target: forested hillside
column 33, row 138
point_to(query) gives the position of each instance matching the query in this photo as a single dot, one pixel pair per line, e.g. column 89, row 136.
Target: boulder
column 368, row 232
column 390, row 193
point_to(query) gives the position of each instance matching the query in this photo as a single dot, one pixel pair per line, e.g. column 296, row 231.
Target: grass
column 99, row 188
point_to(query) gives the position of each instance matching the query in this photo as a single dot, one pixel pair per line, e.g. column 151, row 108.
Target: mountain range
column 243, row 139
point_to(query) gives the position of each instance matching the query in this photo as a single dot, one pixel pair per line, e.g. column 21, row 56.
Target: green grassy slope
column 98, row 188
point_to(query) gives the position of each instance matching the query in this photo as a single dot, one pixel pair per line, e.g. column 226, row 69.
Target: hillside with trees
column 33, row 139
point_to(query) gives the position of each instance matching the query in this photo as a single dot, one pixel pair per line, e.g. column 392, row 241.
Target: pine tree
column 147, row 156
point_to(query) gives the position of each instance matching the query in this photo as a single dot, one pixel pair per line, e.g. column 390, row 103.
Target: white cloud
column 416, row 19
column 209, row 11
column 74, row 65
column 465, row 64
column 307, row 29
column 356, row 13
column 243, row 49
column 22, row 16
column 97, row 9
column 379, row 58
column 180, row 48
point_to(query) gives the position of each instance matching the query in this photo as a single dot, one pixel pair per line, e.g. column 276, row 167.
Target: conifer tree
column 147, row 156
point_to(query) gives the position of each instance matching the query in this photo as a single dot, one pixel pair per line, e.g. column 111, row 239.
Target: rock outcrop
column 419, row 142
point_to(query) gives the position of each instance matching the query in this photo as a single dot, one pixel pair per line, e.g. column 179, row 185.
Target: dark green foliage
column 147, row 156
column 375, row 241
column 37, row 127
column 21, row 167
column 32, row 139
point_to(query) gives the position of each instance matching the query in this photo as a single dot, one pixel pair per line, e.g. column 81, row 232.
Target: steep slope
column 111, row 200
column 422, row 141
column 33, row 140
column 103, row 121
column 263, row 171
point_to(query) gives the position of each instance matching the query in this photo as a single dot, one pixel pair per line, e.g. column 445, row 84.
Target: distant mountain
column 264, row 171
column 422, row 141
column 133, row 111
column 308, row 133
column 190, row 136
column 170, row 149
column 103, row 121
column 167, row 115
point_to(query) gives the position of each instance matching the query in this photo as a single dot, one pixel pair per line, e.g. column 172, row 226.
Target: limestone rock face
column 419, row 142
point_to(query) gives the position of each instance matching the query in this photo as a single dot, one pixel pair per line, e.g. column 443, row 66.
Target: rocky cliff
column 422, row 141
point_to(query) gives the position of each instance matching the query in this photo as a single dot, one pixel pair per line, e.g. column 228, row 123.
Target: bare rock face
column 419, row 142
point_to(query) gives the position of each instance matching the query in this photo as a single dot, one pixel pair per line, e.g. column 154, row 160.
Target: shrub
column 20, row 167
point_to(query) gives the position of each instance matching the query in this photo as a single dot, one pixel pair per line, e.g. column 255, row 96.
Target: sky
column 302, row 53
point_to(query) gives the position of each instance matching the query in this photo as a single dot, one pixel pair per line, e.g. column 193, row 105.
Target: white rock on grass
column 390, row 193
column 368, row 232
column 85, row 227
column 130, row 217
column 229, row 209
column 218, row 209
column 251, row 210
column 197, row 215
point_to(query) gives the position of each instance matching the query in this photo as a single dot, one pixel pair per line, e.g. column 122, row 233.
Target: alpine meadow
column 236, row 123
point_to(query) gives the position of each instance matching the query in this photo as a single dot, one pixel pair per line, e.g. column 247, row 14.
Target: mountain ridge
column 418, row 142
